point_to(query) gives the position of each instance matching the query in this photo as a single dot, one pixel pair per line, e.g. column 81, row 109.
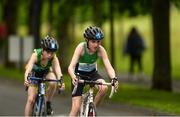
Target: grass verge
column 142, row 96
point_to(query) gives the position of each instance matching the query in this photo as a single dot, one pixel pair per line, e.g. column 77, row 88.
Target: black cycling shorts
column 39, row 75
column 93, row 75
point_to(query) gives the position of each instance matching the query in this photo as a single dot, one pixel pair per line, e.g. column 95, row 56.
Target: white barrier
column 20, row 49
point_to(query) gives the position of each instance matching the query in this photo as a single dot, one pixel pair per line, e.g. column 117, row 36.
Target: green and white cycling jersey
column 86, row 67
column 87, row 62
column 38, row 67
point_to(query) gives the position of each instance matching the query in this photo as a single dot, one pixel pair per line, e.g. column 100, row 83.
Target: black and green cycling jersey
column 87, row 62
column 38, row 68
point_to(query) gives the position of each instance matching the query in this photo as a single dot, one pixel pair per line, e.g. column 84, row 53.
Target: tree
column 161, row 33
column 65, row 14
column 36, row 13
column 50, row 15
column 97, row 12
column 9, row 16
column 112, row 33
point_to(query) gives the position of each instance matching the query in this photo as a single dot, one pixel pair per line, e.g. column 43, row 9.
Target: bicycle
column 88, row 107
column 39, row 107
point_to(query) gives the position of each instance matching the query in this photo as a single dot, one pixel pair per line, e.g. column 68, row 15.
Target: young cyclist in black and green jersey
column 84, row 62
column 43, row 63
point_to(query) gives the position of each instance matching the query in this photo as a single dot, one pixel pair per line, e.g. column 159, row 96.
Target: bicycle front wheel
column 35, row 107
column 39, row 108
column 92, row 110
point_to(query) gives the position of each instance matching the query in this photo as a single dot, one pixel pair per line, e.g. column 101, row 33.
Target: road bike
column 88, row 107
column 39, row 107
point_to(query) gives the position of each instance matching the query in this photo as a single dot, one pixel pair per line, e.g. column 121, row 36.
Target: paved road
column 13, row 99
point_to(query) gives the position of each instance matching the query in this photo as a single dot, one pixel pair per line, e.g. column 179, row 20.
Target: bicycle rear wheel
column 92, row 110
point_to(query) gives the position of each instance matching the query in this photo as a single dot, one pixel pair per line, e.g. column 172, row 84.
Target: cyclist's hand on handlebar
column 74, row 81
column 26, row 82
column 115, row 82
column 61, row 86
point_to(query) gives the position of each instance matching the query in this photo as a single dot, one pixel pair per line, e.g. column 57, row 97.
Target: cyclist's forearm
column 57, row 68
column 111, row 73
column 58, row 72
column 109, row 67
column 28, row 70
column 71, row 72
column 59, row 76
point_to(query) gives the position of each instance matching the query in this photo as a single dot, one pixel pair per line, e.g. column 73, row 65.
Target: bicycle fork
column 39, row 103
column 89, row 101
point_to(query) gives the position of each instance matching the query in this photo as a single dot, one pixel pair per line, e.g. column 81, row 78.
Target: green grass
column 11, row 73
column 142, row 96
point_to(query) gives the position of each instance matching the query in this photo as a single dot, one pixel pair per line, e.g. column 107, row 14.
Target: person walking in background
column 135, row 47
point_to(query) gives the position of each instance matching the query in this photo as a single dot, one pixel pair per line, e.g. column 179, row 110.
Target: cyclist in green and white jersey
column 43, row 63
column 84, row 62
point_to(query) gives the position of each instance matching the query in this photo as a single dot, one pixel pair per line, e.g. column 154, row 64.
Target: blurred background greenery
column 66, row 20
column 156, row 20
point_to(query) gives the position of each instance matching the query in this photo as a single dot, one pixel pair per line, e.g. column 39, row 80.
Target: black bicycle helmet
column 93, row 33
column 49, row 43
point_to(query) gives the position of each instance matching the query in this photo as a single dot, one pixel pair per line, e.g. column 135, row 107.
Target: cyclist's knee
column 51, row 75
column 103, row 89
column 52, row 84
column 31, row 100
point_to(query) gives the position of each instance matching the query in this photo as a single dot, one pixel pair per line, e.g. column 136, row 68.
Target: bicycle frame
column 88, row 100
column 39, row 108
column 88, row 107
column 40, row 104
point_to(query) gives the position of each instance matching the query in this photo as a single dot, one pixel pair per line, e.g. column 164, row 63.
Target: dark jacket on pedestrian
column 135, row 44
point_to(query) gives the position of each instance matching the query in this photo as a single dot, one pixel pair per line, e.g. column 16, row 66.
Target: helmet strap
column 42, row 51
column 87, row 40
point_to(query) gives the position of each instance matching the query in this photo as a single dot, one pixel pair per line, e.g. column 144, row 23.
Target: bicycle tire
column 35, row 107
column 82, row 109
column 92, row 110
column 42, row 106
column 39, row 108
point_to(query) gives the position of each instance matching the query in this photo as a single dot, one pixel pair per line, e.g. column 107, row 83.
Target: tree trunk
column 97, row 10
column 162, row 61
column 65, row 15
column 50, row 16
column 112, row 34
column 36, row 13
column 10, row 18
